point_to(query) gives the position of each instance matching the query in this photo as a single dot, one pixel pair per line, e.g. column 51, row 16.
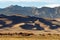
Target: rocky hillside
column 44, row 12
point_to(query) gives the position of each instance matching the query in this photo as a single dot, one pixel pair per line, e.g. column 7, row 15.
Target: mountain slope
column 44, row 12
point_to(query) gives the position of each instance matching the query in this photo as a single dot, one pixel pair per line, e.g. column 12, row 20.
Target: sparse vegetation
column 34, row 37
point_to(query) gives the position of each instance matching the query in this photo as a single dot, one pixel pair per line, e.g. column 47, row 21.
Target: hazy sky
column 36, row 3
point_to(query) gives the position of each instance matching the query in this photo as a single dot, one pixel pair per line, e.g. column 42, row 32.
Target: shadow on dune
column 52, row 26
column 30, row 27
column 4, row 25
column 18, row 19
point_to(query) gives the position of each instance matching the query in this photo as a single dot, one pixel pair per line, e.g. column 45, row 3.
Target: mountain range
column 43, row 12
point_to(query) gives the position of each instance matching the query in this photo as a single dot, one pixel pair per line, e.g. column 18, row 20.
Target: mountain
column 16, row 10
column 44, row 12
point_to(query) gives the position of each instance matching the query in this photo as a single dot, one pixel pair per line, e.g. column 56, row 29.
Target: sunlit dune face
column 1, row 25
column 3, row 19
column 57, row 19
column 8, row 22
column 17, row 25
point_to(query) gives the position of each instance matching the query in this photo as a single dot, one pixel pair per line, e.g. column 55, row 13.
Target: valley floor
column 42, row 37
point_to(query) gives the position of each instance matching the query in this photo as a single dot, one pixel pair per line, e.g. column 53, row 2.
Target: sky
column 30, row 3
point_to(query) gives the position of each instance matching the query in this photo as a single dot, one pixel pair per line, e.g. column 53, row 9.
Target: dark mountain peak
column 57, row 7
column 13, row 6
column 45, row 7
